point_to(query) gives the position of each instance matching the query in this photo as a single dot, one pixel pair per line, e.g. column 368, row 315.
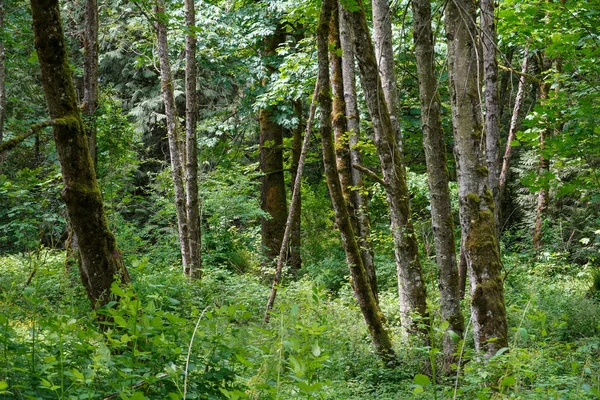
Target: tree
column 437, row 176
column 90, row 73
column 411, row 287
column 101, row 262
column 191, row 145
column 360, row 280
column 476, row 200
column 2, row 78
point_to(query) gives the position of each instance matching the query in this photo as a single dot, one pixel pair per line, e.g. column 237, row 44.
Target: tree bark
column 411, row 287
column 194, row 269
column 2, row 82
column 437, row 175
column 101, row 262
column 176, row 142
column 294, row 207
column 543, row 167
column 476, row 200
column 384, row 51
column 273, row 198
column 360, row 280
column 492, row 106
column 295, row 258
column 358, row 198
column 90, row 73
column 513, row 128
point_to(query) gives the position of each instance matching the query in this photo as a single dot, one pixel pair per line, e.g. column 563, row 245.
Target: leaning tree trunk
column 360, row 280
column 176, row 143
column 411, row 287
column 295, row 259
column 384, row 51
column 2, row 82
column 358, row 198
column 437, row 175
column 194, row 268
column 272, row 191
column 90, row 73
column 476, row 200
column 101, row 262
column 492, row 106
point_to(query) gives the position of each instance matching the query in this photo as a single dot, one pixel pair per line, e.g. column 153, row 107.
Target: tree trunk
column 384, row 51
column 437, row 174
column 176, row 142
column 194, row 268
column 90, row 73
column 543, row 167
column 492, row 106
column 273, row 199
column 101, row 261
column 295, row 259
column 2, row 82
column 360, row 280
column 513, row 128
column 358, row 198
column 410, row 280
column 476, row 200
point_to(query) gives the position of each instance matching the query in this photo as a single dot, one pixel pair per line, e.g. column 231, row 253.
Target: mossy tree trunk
column 437, row 175
column 476, row 200
column 2, row 82
column 411, row 287
column 360, row 280
column 359, row 199
column 492, row 106
column 101, row 262
column 191, row 146
column 272, row 191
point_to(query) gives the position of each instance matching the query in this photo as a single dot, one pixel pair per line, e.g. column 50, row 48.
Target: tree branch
column 527, row 76
column 12, row 143
column 372, row 174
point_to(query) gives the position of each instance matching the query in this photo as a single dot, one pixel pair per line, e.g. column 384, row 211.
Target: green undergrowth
column 168, row 338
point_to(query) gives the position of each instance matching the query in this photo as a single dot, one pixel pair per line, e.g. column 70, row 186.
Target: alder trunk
column 360, row 280
column 492, row 106
column 384, row 51
column 90, row 73
column 272, row 191
column 476, row 200
column 358, row 198
column 437, row 175
column 2, row 82
column 101, row 263
column 194, row 268
column 411, row 287
column 176, row 142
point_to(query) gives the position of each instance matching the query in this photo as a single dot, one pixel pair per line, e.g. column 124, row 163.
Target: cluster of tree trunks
column 182, row 149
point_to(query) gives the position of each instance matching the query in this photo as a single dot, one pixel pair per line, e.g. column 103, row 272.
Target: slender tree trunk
column 476, row 200
column 295, row 259
column 294, row 207
column 273, row 198
column 492, row 106
column 384, row 51
column 358, row 198
column 543, row 167
column 437, row 174
column 194, row 269
column 360, row 280
column 513, row 128
column 410, row 280
column 90, row 73
column 2, row 82
column 176, row 142
column 101, row 261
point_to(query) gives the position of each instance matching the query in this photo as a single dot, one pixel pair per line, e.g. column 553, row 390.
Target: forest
column 310, row 199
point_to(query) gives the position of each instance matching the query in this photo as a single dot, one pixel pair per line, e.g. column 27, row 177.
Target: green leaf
column 508, row 381
column 120, row 321
column 422, row 380
column 316, row 350
column 3, row 385
column 523, row 333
